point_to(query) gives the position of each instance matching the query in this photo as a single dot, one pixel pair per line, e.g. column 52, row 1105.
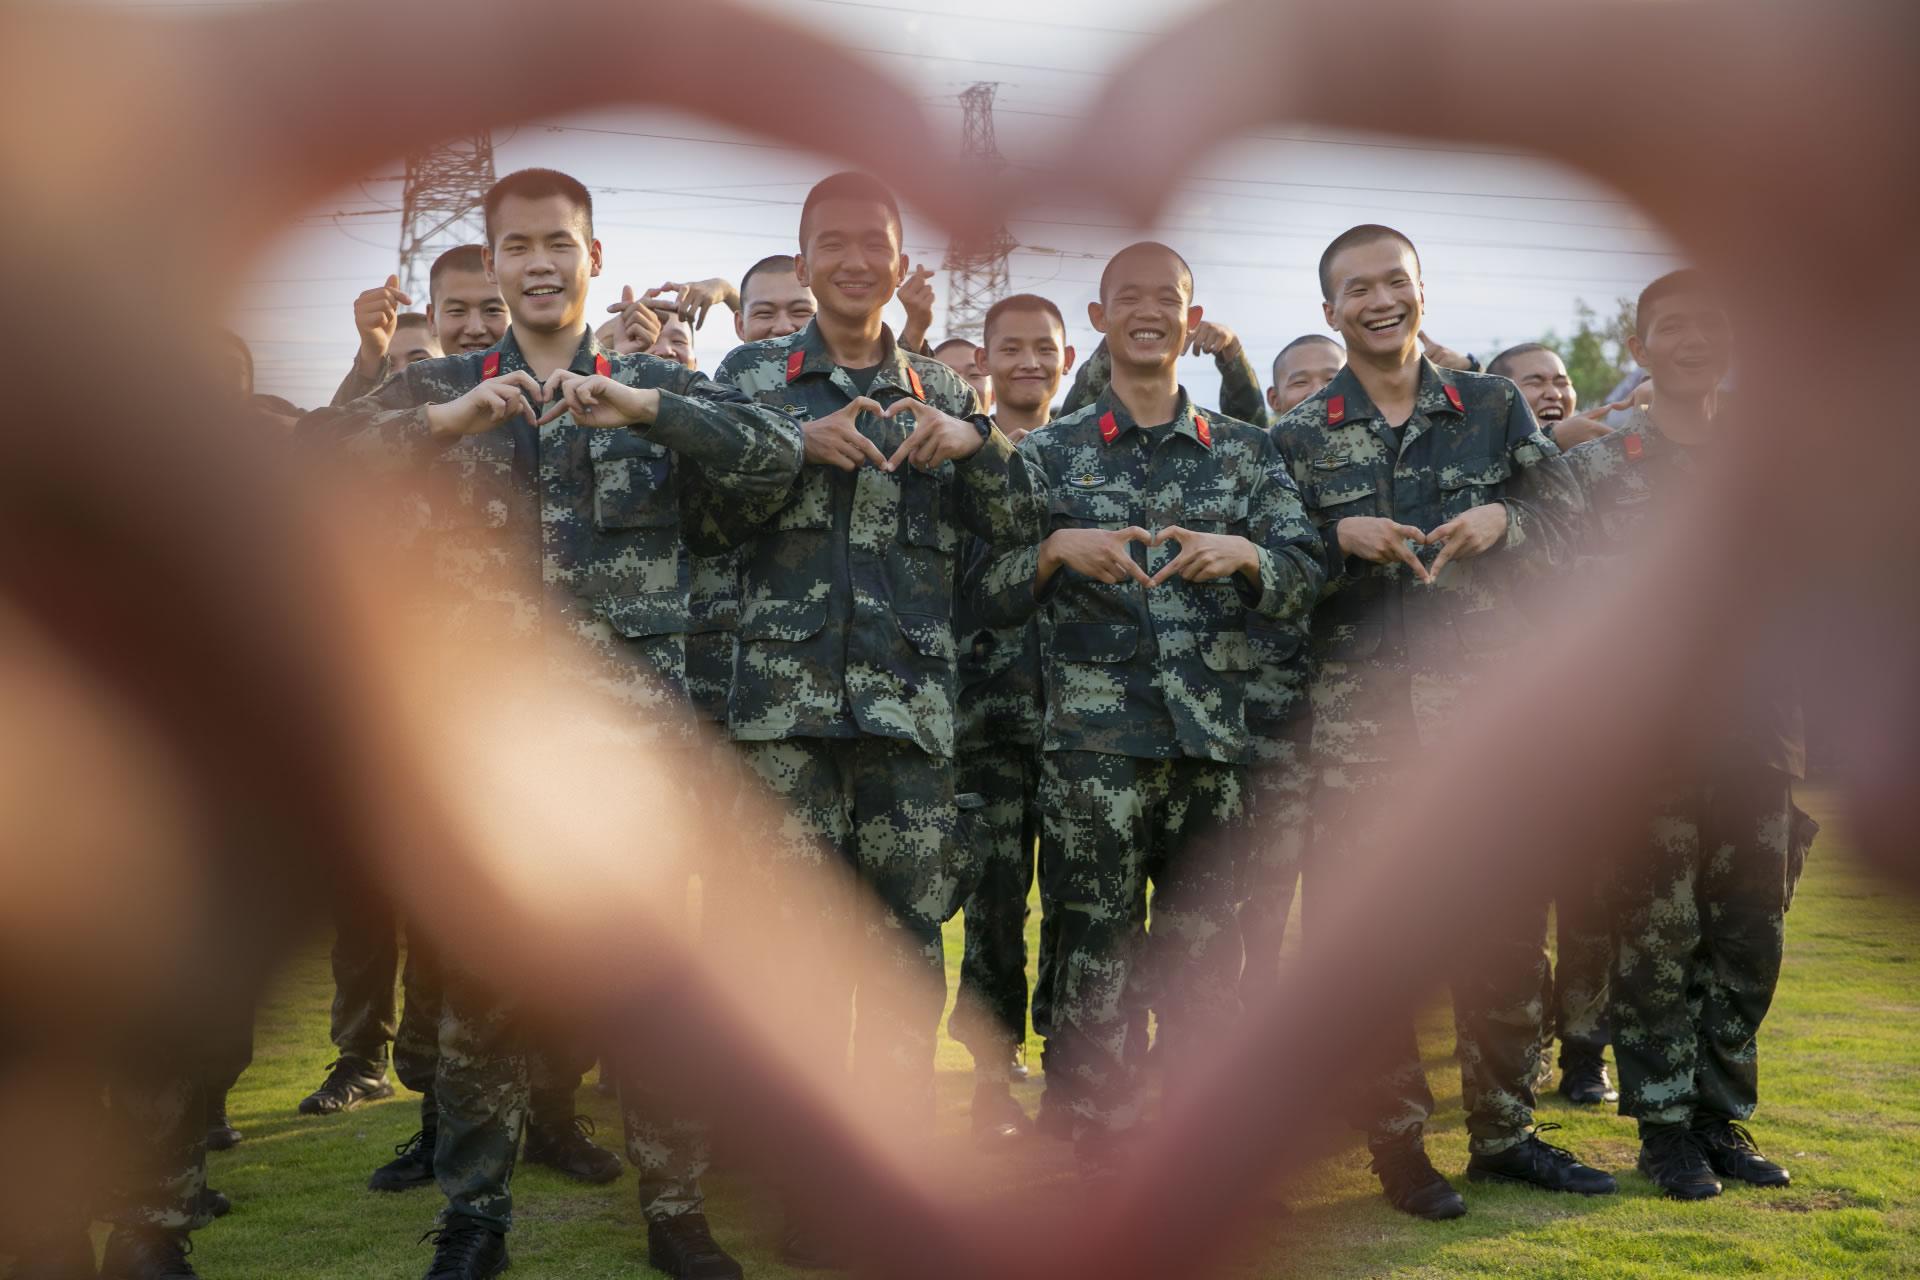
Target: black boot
column 411, row 1166
column 568, row 1149
column 350, row 1081
column 70, row 1259
column 217, row 1203
column 1411, row 1183
column 1730, row 1150
column 684, row 1248
column 221, row 1135
column 997, row 1118
column 1583, row 1076
column 147, row 1253
column 466, row 1250
column 1534, row 1163
column 1675, row 1161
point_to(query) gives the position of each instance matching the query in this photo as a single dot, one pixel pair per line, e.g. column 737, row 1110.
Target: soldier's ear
column 1637, row 349
column 1066, row 360
column 594, row 257
column 1097, row 317
column 800, row 271
column 1193, row 318
column 486, row 264
column 1273, row 399
column 1326, row 309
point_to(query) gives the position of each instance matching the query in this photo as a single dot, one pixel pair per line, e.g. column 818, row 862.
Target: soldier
column 844, row 676
column 1699, row 915
column 1239, row 384
column 1147, row 665
column 1026, row 355
column 1542, row 378
column 965, row 359
column 773, row 302
column 1577, row 987
column 464, row 313
column 675, row 343
column 1428, row 487
column 592, row 499
column 1303, row 366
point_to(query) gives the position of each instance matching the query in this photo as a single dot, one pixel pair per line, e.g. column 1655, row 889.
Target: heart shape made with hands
column 1749, row 180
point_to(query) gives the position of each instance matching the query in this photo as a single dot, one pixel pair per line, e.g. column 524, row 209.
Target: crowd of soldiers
column 1143, row 651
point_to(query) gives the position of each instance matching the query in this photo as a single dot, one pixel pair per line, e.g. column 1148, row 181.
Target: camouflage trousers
column 1578, row 988
column 158, row 1107
column 1498, row 979
column 1700, row 924
column 366, row 959
column 990, row 1017
column 876, row 817
column 1276, row 847
column 1116, row 822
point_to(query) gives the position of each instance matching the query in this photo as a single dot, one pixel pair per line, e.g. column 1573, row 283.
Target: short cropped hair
column 411, row 320
column 462, row 257
column 1685, row 280
column 968, row 343
column 1301, row 341
column 778, row 263
column 851, row 185
column 1145, row 246
column 1504, row 361
column 1353, row 238
column 1021, row 302
column 538, row 184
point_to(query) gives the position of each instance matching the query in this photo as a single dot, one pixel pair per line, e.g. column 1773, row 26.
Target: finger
column 555, row 383
column 554, row 410
column 1134, row 533
column 1170, row 533
column 1446, row 554
column 1134, row 571
column 1404, row 554
column 904, row 452
column 1442, row 532
column 1409, row 531
column 902, row 405
column 866, row 450
column 1169, row 569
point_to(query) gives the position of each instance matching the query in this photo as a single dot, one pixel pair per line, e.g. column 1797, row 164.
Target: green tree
column 1596, row 355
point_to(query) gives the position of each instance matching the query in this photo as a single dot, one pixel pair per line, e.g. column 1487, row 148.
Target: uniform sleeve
column 353, row 386
column 999, row 584
column 745, row 452
column 996, row 494
column 1292, row 572
column 384, row 431
column 1288, row 443
column 1092, row 379
column 1240, row 394
column 1546, row 512
column 716, row 520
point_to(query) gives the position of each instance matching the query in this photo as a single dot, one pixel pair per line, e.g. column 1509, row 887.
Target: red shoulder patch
column 1453, row 397
column 913, row 380
column 796, row 361
column 1631, row 443
column 602, row 366
column 490, row 367
column 1203, row 430
column 1336, row 410
column 1109, row 427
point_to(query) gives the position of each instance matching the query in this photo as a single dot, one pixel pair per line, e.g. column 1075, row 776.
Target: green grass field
column 1840, row 1106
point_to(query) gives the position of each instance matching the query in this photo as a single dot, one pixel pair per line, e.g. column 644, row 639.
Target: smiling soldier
column 1426, row 485
column 1170, row 527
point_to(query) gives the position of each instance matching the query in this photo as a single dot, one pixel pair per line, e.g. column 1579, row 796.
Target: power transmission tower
column 977, row 269
column 440, row 205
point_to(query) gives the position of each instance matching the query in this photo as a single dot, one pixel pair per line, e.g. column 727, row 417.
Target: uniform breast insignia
column 1087, row 480
column 1331, row 461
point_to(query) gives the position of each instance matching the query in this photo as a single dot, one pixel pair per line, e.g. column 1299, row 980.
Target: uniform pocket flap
column 654, row 613
column 1488, row 474
column 1227, row 651
column 1347, row 641
column 1331, row 488
column 782, row 619
column 1095, row 641
column 932, row 636
column 635, row 492
column 1274, row 644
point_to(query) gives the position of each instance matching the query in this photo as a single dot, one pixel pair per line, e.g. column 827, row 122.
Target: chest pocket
column 922, row 522
column 1473, row 485
column 471, row 485
column 1215, row 511
column 636, row 490
column 1336, row 490
column 1072, row 508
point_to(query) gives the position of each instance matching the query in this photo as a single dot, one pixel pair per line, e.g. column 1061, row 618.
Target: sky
column 1509, row 243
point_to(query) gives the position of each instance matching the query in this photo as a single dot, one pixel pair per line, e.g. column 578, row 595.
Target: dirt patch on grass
column 1806, row 1201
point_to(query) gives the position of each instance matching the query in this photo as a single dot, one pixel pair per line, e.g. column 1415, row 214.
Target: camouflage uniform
column 1700, row 917
column 1146, row 741
column 1240, row 396
column 561, row 531
column 844, row 675
column 1391, row 659
column 1279, row 720
column 999, row 760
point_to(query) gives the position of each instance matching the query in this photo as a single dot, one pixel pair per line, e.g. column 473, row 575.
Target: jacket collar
column 808, row 355
column 1438, row 394
column 1114, row 421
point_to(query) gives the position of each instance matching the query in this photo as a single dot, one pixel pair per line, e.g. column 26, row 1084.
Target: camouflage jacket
column 355, row 385
column 846, row 594
column 1390, row 655
column 1002, row 698
column 714, row 606
column 1163, row 672
column 1631, row 478
column 1240, row 396
column 587, row 530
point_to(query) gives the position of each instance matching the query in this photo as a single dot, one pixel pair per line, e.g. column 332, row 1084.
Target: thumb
column 626, row 293
column 393, row 282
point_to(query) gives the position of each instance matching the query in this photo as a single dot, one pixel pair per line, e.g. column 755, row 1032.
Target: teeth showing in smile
column 541, row 291
column 1147, row 335
column 1378, row 325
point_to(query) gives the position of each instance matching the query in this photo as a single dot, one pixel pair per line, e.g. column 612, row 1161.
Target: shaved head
column 1145, row 249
